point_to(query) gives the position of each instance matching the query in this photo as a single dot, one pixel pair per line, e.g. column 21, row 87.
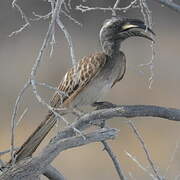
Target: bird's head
column 118, row 29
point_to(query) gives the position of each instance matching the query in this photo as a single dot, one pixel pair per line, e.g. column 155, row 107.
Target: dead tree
column 74, row 134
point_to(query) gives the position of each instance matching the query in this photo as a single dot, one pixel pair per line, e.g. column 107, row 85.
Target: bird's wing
column 122, row 71
column 78, row 77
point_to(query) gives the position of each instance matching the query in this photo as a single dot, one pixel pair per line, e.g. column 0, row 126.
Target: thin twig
column 68, row 38
column 39, row 17
column 66, row 7
column 147, row 16
column 23, row 16
column 55, row 18
column 170, row 4
column 114, row 7
column 7, row 151
column 69, row 4
column 62, row 93
column 140, row 165
column 114, row 160
column 53, row 41
column 173, row 155
column 71, row 18
column 44, row 45
column 19, row 30
column 136, row 132
column 87, row 8
column 21, row 117
column 13, row 118
column 39, row 60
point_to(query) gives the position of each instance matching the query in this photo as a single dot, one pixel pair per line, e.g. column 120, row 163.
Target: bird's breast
column 100, row 84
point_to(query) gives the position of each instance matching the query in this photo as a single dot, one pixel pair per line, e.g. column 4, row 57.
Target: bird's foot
column 77, row 112
column 103, row 105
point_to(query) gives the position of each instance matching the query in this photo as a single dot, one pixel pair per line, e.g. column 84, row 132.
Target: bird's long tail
column 31, row 144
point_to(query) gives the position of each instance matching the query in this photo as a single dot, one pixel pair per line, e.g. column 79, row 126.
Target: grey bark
column 32, row 168
column 53, row 174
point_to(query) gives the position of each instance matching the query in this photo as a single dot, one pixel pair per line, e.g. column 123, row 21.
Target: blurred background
column 18, row 53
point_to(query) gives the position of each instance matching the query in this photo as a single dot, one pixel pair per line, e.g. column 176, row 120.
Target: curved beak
column 127, row 29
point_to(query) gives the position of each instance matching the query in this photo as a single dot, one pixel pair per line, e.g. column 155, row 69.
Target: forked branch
column 32, row 168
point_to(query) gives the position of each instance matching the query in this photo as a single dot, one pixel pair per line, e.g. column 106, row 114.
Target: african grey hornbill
column 94, row 75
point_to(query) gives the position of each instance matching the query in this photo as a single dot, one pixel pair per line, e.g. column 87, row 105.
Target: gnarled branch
column 128, row 111
column 32, row 168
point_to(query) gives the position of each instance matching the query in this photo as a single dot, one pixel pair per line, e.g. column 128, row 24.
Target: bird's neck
column 111, row 48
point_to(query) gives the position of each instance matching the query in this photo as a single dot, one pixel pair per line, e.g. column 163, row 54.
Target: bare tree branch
column 33, row 167
column 118, row 111
column 114, row 7
column 23, row 16
column 13, row 118
column 56, row 7
column 131, row 111
column 69, row 40
column 136, row 132
column 128, row 111
column 140, row 165
column 53, row 174
column 114, row 160
column 83, row 8
column 170, row 4
column 172, row 158
column 7, row 151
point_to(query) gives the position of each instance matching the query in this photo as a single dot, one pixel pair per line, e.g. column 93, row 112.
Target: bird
column 91, row 78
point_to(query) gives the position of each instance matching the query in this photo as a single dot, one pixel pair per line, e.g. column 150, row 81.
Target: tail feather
column 32, row 143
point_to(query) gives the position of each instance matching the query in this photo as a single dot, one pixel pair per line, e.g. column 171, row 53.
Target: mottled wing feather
column 78, row 77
